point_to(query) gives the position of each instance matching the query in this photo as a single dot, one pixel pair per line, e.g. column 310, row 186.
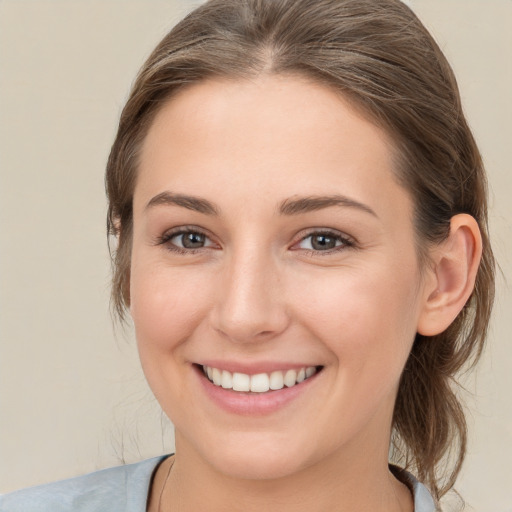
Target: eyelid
column 347, row 241
column 165, row 239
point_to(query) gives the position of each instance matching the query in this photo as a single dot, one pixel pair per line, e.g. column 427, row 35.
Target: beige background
column 72, row 395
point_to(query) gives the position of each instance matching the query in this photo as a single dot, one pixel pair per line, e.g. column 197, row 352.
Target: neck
column 339, row 483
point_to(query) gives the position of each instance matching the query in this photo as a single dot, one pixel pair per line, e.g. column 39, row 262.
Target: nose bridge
column 250, row 304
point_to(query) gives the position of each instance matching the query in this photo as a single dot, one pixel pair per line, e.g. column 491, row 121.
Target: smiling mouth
column 261, row 382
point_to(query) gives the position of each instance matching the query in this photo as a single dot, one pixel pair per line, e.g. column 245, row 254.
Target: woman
column 301, row 217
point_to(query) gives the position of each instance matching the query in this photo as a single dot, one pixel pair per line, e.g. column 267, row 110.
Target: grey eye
column 321, row 242
column 189, row 240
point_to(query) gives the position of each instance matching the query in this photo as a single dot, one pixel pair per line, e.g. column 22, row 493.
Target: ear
column 452, row 277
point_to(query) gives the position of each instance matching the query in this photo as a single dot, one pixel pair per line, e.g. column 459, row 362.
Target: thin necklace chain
column 164, row 486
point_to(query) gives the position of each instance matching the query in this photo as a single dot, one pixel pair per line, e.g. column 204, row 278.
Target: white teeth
column 227, row 380
column 290, row 378
column 276, row 380
column 241, row 382
column 258, row 383
column 216, row 376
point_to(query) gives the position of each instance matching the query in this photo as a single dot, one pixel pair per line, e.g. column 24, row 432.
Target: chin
column 256, row 457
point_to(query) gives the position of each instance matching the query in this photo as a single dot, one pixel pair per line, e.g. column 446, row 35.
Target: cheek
column 166, row 307
column 366, row 317
column 166, row 304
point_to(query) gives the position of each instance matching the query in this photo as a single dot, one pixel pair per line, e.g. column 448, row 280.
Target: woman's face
column 270, row 237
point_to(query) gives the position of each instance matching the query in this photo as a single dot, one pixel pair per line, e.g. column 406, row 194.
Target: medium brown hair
column 377, row 54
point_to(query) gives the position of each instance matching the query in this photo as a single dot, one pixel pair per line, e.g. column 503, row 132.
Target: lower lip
column 253, row 404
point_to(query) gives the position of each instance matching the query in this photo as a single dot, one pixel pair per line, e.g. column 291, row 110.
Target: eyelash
column 166, row 238
column 346, row 242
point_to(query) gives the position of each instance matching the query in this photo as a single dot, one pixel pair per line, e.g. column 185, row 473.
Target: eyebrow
column 314, row 203
column 185, row 201
column 287, row 207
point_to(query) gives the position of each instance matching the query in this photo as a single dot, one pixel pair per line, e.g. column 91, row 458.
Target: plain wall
column 72, row 395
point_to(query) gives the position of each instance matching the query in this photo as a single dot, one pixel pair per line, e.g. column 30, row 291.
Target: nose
column 250, row 304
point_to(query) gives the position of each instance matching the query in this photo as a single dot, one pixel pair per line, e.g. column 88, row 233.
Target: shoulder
column 123, row 488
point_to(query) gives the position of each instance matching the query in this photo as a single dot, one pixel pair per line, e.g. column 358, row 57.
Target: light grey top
column 125, row 489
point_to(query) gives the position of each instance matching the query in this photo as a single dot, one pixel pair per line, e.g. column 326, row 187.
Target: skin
column 258, row 292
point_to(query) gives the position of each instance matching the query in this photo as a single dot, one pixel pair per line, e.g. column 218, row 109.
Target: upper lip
column 254, row 367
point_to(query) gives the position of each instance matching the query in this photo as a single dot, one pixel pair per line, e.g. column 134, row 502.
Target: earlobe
column 454, row 267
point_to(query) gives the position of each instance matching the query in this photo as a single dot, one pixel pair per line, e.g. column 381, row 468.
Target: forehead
column 276, row 133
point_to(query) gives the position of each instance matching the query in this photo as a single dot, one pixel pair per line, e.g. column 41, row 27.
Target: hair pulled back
column 378, row 55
